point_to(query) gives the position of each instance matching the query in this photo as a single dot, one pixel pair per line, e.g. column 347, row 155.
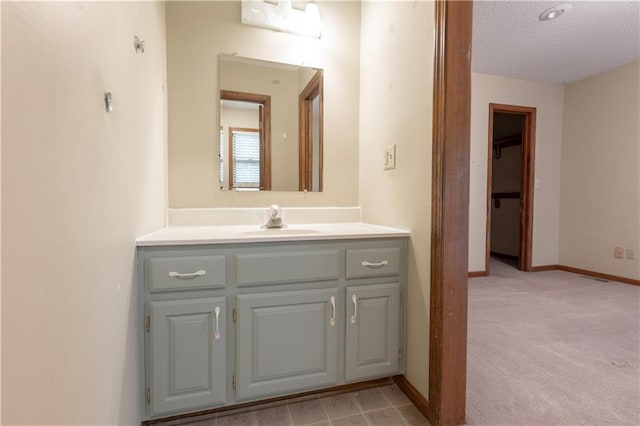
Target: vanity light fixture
column 554, row 12
column 283, row 17
column 313, row 15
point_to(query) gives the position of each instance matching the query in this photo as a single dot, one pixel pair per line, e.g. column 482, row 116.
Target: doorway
column 246, row 164
column 510, row 184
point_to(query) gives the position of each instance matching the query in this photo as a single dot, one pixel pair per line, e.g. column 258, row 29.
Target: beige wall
column 600, row 172
column 548, row 100
column 398, row 77
column 78, row 185
column 197, row 32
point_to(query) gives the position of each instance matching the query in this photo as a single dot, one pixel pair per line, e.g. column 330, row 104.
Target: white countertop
column 186, row 235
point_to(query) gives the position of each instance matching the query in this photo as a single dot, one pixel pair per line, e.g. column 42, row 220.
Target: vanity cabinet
column 187, row 357
column 223, row 324
column 372, row 340
column 286, row 341
column 373, row 310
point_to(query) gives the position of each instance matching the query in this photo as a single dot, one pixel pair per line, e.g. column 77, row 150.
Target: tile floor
column 381, row 406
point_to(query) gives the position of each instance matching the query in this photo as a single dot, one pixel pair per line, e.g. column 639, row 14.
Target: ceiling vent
column 554, row 12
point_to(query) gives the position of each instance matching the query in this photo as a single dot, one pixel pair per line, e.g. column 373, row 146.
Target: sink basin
column 281, row 231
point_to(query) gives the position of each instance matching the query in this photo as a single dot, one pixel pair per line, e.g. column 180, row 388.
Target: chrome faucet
column 275, row 219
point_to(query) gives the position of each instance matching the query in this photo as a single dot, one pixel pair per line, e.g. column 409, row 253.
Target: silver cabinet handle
column 354, row 299
column 189, row 275
column 333, row 311
column 217, row 333
column 375, row 264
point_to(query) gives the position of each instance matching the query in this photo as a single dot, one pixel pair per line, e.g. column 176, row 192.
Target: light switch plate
column 618, row 252
column 631, row 254
column 390, row 157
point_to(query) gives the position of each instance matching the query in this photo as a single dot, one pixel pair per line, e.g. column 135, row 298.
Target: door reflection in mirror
column 245, row 120
column 310, row 150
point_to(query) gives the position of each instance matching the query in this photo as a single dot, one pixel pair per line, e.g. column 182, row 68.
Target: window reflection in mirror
column 281, row 105
column 244, row 159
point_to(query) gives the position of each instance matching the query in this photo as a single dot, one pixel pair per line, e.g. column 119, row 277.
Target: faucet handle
column 274, row 220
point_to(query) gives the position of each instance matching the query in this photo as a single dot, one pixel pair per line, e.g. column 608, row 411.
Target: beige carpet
column 552, row 348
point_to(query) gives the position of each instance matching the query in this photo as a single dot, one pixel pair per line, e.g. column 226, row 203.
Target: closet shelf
column 511, row 140
column 497, row 197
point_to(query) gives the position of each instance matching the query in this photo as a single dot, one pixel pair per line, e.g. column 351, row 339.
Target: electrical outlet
column 631, row 254
column 618, row 252
column 390, row 157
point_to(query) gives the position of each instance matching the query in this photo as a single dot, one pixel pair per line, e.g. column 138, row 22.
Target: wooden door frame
column 305, row 143
column 450, row 212
column 526, row 184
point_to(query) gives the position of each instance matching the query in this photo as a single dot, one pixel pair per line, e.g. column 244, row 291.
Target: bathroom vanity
column 236, row 314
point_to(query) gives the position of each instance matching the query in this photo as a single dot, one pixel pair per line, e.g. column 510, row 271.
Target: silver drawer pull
column 333, row 310
column 189, row 275
column 375, row 264
column 217, row 333
column 354, row 299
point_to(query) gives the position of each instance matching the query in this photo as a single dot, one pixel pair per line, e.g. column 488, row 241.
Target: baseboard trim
column 543, row 268
column 416, row 398
column 571, row 269
column 335, row 390
column 599, row 275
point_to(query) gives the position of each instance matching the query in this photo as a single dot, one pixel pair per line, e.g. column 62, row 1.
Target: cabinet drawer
column 184, row 273
column 375, row 262
column 282, row 267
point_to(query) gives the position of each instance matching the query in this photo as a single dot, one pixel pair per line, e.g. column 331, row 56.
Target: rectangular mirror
column 270, row 126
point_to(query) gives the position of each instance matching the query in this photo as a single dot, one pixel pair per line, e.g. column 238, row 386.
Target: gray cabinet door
column 373, row 331
column 187, row 354
column 286, row 341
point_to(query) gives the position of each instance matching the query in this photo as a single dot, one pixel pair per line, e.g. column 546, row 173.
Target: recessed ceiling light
column 554, row 12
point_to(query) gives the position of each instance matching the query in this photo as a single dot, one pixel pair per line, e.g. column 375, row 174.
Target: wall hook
column 138, row 45
column 108, row 102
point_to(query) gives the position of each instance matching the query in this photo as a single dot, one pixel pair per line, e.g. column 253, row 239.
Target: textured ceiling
column 593, row 37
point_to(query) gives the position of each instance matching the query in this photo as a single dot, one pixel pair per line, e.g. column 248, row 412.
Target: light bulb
column 312, row 13
column 284, row 8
